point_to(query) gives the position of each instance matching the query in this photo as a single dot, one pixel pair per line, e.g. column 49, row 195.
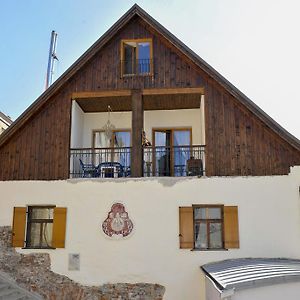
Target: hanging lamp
column 108, row 128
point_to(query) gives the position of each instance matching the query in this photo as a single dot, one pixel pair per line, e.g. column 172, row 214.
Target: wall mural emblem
column 117, row 222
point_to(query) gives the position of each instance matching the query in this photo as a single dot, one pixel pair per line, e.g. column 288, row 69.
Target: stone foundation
column 32, row 271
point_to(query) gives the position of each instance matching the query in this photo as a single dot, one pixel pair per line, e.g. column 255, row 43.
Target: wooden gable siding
column 238, row 143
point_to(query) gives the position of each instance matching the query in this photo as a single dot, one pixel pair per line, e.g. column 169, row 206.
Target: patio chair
column 88, row 170
column 194, row 167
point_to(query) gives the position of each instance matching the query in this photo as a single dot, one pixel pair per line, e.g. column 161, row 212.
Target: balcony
column 136, row 67
column 108, row 129
column 175, row 161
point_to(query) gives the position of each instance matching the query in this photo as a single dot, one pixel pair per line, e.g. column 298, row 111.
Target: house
column 157, row 166
column 5, row 121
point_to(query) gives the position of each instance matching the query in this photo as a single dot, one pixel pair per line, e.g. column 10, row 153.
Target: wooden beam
column 101, row 94
column 127, row 93
column 147, row 92
column 136, row 132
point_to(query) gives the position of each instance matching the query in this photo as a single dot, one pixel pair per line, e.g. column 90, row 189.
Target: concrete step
column 10, row 290
column 6, row 292
column 2, row 285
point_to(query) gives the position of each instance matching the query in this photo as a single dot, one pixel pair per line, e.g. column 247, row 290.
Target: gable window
column 208, row 227
column 136, row 57
column 45, row 227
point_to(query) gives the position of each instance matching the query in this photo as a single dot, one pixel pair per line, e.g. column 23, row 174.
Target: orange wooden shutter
column 19, row 224
column 186, row 227
column 231, row 227
column 59, row 227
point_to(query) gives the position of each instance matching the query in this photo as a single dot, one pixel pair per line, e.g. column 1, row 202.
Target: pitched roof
column 5, row 118
column 244, row 273
column 135, row 10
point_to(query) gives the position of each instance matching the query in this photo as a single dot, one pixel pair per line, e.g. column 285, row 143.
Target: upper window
column 136, row 57
column 208, row 227
column 45, row 227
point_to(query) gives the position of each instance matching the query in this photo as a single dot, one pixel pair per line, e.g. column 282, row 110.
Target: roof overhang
column 153, row 99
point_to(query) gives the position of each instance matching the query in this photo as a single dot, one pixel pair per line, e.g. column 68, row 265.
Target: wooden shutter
column 231, row 227
column 59, row 227
column 186, row 227
column 19, row 224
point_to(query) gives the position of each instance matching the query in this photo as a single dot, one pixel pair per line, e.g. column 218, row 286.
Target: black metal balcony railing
column 174, row 161
column 158, row 161
column 100, row 162
column 137, row 67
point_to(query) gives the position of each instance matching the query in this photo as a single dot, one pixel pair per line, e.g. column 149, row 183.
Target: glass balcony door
column 171, row 151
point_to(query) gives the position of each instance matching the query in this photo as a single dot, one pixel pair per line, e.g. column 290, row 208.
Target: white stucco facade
column 269, row 225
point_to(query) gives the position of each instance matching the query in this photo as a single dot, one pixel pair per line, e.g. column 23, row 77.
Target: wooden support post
column 136, row 133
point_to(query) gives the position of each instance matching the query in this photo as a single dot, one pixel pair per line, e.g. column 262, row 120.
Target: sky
column 254, row 44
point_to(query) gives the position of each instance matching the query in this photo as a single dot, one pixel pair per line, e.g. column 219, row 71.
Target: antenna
column 52, row 57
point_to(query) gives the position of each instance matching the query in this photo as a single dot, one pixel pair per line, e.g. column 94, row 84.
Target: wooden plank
column 101, row 94
column 145, row 92
column 18, row 228
column 59, row 227
column 137, row 130
column 173, row 91
column 231, row 227
column 186, row 227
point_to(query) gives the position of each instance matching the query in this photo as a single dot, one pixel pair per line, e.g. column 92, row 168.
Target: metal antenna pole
column 52, row 57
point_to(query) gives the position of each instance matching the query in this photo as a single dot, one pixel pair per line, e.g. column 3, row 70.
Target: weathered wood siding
column 237, row 142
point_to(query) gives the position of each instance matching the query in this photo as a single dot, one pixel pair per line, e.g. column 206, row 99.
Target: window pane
column 47, row 235
column 215, row 231
column 144, row 57
column 200, row 213
column 42, row 213
column 162, row 153
column 181, row 154
column 129, row 58
column 201, row 236
column 101, row 140
column 122, row 139
column 35, row 233
column 40, row 235
column 214, row 213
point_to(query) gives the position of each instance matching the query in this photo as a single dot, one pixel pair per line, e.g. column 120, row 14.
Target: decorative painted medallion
column 117, row 222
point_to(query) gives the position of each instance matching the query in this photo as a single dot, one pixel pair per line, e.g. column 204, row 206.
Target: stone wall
column 32, row 271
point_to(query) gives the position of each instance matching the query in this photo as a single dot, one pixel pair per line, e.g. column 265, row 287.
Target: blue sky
column 254, row 44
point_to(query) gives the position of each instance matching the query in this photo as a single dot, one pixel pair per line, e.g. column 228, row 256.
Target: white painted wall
column 83, row 124
column 269, row 224
column 288, row 291
column 183, row 118
column 77, row 122
column 96, row 121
